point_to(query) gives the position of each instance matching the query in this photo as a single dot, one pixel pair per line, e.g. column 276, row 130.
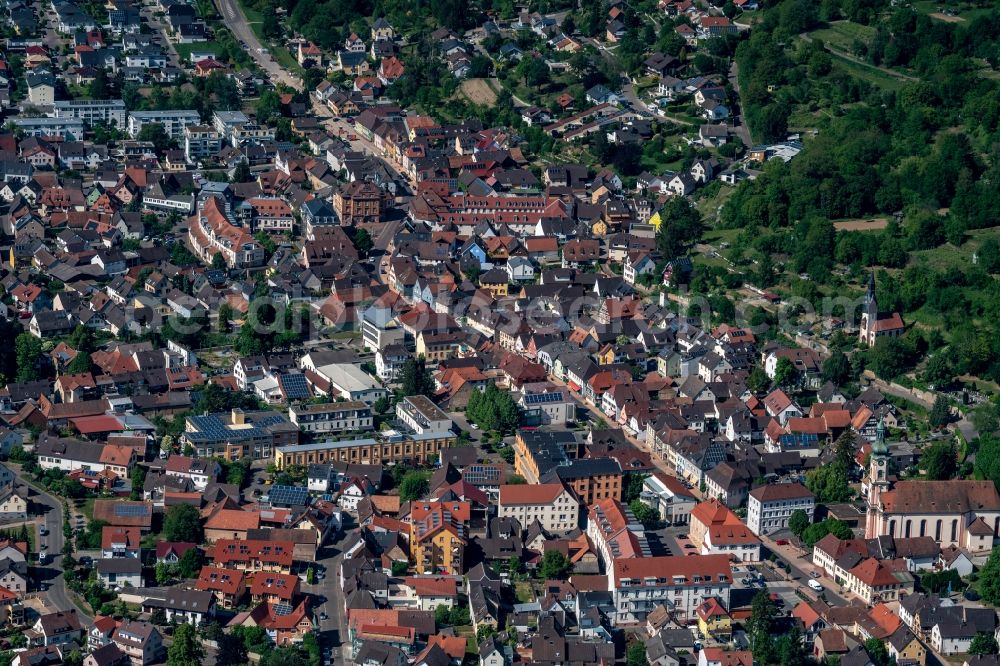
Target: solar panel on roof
column 542, row 398
column 295, row 386
column 130, row 510
column 282, row 609
column 290, row 495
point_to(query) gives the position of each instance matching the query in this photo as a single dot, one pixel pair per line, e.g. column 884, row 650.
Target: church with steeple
column 875, row 324
column 962, row 513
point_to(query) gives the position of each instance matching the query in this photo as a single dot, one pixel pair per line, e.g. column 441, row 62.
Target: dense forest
column 923, row 153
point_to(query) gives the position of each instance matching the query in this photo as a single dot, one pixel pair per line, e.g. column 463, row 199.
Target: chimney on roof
column 238, row 417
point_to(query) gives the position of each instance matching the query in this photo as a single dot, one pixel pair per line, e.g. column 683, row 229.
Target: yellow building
column 385, row 447
column 494, row 281
column 714, row 620
column 438, row 532
column 905, row 648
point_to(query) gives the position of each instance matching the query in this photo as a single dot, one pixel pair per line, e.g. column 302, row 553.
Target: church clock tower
column 878, row 480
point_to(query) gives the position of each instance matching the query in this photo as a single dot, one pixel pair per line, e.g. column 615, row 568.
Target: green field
column 841, row 35
column 872, row 75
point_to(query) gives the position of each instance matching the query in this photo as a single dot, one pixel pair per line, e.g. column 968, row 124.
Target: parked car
column 782, row 542
column 813, row 584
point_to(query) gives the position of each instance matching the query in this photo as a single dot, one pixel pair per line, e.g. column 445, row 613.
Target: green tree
column 791, row 648
column 939, row 460
column 162, row 573
column 817, row 531
column 831, row 483
column 493, row 409
column 189, row 566
column 837, row 369
column 680, row 226
column 983, row 644
column 554, row 565
column 759, row 626
column 786, row 375
column 940, row 415
column 8, row 353
column 758, row 381
column 283, row 656
column 157, row 135
column 644, row 513
column 798, row 522
column 877, row 651
column 268, row 107
column 633, row 487
column 182, row 523
column 516, row 480
column 80, row 364
column 29, row 351
column 400, row 568
column 138, row 479
column 416, row 378
column 363, row 242
column 414, row 486
column 636, row 655
column 988, row 461
column 218, row 262
column 185, row 650
column 242, row 173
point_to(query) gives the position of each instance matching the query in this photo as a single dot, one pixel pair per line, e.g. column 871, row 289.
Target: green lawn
column 523, row 592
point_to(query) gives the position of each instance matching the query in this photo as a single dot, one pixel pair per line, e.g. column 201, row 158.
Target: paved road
column 236, row 21
column 330, row 601
column 57, row 596
column 739, row 126
column 801, row 566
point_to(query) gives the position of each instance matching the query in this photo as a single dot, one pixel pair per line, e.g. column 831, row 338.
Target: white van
column 815, row 585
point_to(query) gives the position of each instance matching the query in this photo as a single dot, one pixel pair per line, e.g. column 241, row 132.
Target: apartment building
column 172, row 121
column 615, row 532
column 239, row 434
column 387, row 446
column 332, row 417
column 421, row 415
column 680, row 583
column 770, row 507
column 251, row 555
column 380, row 328
column 554, row 507
column 201, row 141
column 211, row 232
column 359, row 202
column 235, row 128
column 438, row 535
column 110, row 112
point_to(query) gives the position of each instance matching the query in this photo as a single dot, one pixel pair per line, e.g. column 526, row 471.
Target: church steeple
column 878, row 479
column 871, row 304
